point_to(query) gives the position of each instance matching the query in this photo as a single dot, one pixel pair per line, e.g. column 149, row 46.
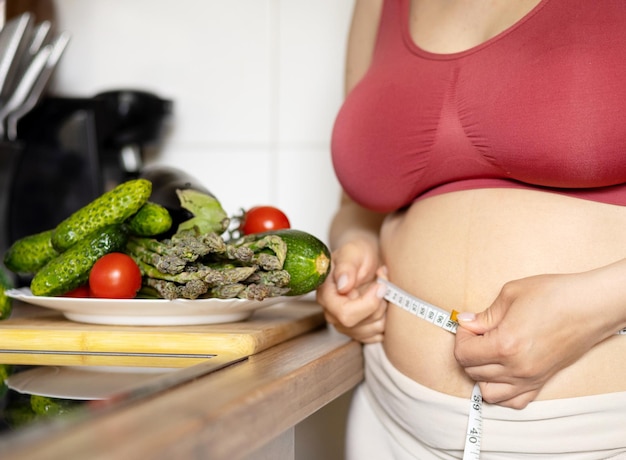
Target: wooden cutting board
column 42, row 336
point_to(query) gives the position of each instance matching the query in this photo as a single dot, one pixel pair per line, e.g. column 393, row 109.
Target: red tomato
column 80, row 292
column 115, row 276
column 262, row 219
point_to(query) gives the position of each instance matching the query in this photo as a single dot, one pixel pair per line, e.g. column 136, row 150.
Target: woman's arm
column 350, row 295
column 360, row 48
column 361, row 40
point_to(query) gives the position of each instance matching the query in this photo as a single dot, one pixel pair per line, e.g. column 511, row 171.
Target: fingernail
column 466, row 317
column 342, row 282
column 381, row 291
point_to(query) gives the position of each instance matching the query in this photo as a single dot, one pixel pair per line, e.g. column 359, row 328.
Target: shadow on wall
column 321, row 436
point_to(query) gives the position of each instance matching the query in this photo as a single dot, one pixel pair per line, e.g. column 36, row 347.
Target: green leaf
column 209, row 216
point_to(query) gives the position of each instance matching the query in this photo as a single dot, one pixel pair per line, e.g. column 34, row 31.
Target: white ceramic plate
column 147, row 312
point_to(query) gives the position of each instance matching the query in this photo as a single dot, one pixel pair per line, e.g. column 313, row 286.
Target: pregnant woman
column 482, row 153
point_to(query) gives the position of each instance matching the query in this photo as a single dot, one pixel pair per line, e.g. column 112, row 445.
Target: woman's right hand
column 351, row 297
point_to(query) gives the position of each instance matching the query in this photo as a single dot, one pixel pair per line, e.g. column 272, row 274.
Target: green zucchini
column 30, row 253
column 6, row 303
column 70, row 269
column 152, row 219
column 112, row 207
column 307, row 259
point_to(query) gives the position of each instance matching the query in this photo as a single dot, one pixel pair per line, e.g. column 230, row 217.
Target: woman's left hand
column 535, row 327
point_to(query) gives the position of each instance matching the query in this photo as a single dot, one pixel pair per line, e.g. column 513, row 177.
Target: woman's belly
column 457, row 250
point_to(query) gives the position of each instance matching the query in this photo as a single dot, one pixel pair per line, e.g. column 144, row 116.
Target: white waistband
column 591, row 427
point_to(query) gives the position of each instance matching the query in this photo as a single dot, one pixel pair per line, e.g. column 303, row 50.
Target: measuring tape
column 447, row 321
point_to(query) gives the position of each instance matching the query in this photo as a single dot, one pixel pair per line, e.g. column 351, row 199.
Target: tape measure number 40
column 446, row 321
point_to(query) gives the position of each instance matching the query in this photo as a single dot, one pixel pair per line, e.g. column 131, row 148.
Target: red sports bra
column 541, row 106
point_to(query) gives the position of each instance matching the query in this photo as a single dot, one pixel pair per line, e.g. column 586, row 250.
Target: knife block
column 10, row 152
column 57, row 171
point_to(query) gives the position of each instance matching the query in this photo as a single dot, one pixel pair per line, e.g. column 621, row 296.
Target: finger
column 471, row 350
column 369, row 332
column 378, row 314
column 382, row 272
column 488, row 319
column 375, row 339
column 508, row 395
column 355, row 310
column 350, row 310
column 327, row 293
column 345, row 277
column 381, row 311
column 490, row 373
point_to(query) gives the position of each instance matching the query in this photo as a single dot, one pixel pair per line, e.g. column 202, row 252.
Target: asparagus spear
column 271, row 242
column 246, row 291
column 165, row 289
column 261, row 291
column 164, row 263
column 191, row 265
column 278, row 278
column 193, row 289
column 211, row 276
column 226, row 291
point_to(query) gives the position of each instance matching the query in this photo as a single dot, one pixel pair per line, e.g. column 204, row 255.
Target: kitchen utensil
column 12, row 45
column 10, row 155
column 58, row 47
column 34, row 39
column 38, row 37
column 24, row 85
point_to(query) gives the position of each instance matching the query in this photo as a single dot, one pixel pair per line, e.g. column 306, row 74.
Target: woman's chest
column 458, row 25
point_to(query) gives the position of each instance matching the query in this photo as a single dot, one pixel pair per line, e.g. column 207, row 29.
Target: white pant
column 394, row 417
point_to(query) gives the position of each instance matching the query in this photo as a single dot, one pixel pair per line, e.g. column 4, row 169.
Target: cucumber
column 6, row 303
column 151, row 219
column 29, row 254
column 71, row 269
column 307, row 259
column 5, row 371
column 112, row 207
column 18, row 413
column 48, row 406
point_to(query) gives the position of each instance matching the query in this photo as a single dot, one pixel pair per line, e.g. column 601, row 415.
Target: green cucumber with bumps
column 152, row 219
column 6, row 303
column 112, row 207
column 5, row 371
column 70, row 269
column 307, row 259
column 47, row 406
column 30, row 253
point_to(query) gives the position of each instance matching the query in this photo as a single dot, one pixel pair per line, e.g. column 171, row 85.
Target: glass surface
column 36, row 399
column 56, row 396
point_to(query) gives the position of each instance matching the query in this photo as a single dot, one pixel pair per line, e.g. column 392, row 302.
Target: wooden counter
column 245, row 411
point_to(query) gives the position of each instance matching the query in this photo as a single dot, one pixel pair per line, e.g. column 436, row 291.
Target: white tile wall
column 255, row 83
